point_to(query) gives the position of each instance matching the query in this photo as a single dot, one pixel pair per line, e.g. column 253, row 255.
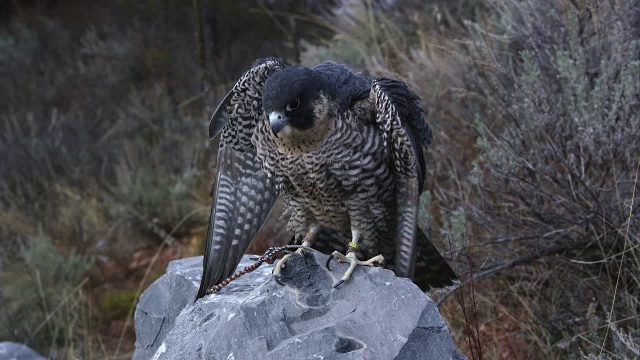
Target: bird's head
column 295, row 104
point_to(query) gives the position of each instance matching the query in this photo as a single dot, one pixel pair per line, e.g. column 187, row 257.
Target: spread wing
column 405, row 133
column 243, row 196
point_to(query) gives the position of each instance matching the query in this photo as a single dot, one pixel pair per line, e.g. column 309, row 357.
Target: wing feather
column 407, row 210
column 432, row 270
column 244, row 196
column 405, row 134
column 220, row 116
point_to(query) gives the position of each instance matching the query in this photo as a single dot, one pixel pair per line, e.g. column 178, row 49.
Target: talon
column 280, row 264
column 383, row 263
column 353, row 263
column 277, row 279
column 328, row 261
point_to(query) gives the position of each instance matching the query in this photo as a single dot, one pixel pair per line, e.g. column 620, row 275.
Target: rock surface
column 375, row 315
column 14, row 351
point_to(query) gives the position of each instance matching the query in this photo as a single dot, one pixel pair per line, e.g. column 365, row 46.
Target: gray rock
column 375, row 315
column 14, row 351
column 160, row 304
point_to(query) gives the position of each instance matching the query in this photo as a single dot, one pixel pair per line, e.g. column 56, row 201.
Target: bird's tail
column 432, row 270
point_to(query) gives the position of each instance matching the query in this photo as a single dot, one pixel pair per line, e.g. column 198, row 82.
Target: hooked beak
column 278, row 121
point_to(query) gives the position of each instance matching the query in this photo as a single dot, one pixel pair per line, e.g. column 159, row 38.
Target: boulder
column 374, row 315
column 14, row 351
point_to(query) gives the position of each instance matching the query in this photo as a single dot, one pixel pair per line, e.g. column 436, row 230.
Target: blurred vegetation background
column 106, row 171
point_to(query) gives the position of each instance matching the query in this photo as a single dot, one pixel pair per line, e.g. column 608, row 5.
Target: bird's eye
column 294, row 104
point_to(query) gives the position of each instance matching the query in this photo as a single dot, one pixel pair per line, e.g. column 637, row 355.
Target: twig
column 43, row 298
column 509, row 264
column 67, row 297
column 624, row 250
column 201, row 52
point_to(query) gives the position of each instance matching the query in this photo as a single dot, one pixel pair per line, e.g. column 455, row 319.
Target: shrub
column 556, row 105
column 535, row 109
column 44, row 303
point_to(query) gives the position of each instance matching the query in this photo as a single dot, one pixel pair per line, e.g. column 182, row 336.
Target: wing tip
column 202, row 292
column 205, row 280
column 220, row 116
column 434, row 271
column 268, row 59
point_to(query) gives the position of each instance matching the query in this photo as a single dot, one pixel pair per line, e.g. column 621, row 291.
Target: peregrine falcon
column 345, row 152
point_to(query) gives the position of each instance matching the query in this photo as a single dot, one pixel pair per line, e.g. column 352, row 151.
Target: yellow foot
column 353, row 262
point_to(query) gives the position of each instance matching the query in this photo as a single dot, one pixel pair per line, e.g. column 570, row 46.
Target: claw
column 281, row 264
column 277, row 279
column 353, row 262
column 328, row 261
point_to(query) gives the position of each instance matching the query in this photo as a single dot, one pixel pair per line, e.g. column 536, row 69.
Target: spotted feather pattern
column 405, row 133
column 391, row 124
column 245, row 106
column 243, row 195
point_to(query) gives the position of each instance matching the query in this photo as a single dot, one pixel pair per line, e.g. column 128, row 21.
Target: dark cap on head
column 291, row 93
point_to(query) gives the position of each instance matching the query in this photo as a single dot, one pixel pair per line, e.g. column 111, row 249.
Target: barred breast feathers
column 343, row 143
